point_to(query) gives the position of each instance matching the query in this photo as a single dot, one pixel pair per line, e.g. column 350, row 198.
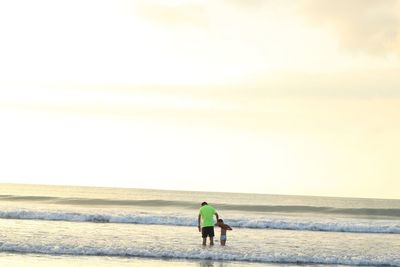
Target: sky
column 277, row 97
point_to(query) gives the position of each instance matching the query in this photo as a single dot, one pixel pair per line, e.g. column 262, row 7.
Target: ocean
column 91, row 226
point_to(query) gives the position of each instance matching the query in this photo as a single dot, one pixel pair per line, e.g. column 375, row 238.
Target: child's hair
column 220, row 220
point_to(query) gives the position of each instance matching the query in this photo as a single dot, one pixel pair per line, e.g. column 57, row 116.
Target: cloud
column 361, row 25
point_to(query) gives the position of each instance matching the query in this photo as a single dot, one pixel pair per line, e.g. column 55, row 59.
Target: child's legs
column 223, row 240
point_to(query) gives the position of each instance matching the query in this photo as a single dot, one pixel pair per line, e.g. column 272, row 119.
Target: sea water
column 109, row 227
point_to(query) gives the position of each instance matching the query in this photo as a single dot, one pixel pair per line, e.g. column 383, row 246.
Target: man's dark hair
column 204, row 203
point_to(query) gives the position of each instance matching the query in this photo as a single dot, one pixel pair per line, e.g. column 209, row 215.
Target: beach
column 80, row 226
column 39, row 260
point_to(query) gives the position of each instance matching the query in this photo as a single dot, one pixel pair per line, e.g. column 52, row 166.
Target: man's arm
column 198, row 223
column 216, row 215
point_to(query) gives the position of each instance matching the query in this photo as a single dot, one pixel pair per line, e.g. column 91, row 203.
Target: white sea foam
column 288, row 223
column 195, row 253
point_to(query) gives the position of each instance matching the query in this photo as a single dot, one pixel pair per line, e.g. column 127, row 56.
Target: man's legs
column 204, row 235
column 208, row 232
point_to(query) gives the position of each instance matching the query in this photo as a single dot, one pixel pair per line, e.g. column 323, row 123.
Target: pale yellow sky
column 288, row 97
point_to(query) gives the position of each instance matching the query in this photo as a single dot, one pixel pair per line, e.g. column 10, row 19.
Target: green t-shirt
column 207, row 215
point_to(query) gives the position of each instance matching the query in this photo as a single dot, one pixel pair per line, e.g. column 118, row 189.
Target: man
column 206, row 215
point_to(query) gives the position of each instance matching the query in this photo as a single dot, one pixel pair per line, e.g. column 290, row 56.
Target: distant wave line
column 390, row 212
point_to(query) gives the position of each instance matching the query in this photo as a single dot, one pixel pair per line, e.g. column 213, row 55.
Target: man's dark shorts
column 207, row 231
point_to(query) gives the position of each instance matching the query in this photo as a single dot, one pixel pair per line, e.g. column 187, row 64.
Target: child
column 224, row 227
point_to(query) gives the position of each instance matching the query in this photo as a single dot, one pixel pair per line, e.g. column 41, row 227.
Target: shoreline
column 12, row 259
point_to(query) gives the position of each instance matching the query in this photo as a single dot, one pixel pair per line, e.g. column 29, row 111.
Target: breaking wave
column 196, row 254
column 333, row 225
